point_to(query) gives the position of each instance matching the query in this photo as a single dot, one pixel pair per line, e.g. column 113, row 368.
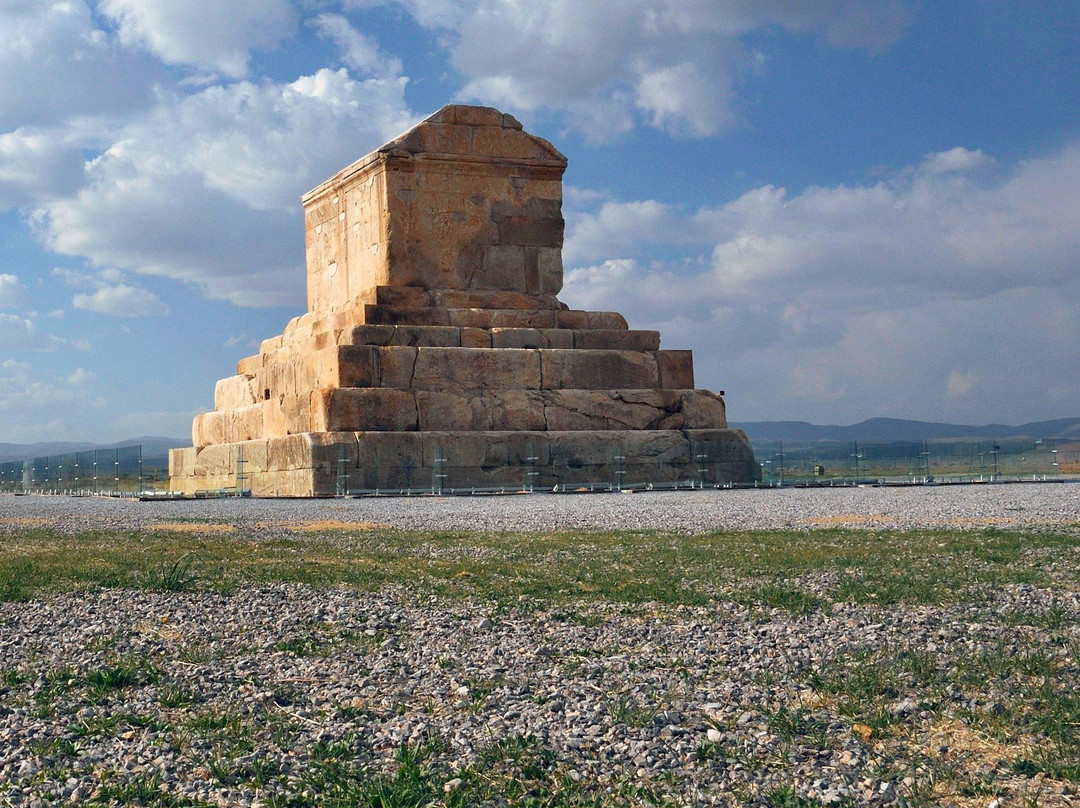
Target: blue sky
column 846, row 208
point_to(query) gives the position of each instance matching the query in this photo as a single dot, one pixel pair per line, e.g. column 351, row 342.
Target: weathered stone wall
column 434, row 326
column 323, row 464
column 465, row 201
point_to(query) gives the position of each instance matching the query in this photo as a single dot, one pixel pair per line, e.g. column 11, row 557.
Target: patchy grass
column 764, row 568
column 948, row 724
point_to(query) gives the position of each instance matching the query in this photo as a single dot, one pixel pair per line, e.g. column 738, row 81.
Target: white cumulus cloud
column 360, row 51
column 206, row 189
column 37, row 164
column 19, row 333
column 80, row 377
column 12, row 291
column 120, row 301
column 57, row 65
column 611, row 64
column 35, row 409
column 862, row 297
column 207, row 34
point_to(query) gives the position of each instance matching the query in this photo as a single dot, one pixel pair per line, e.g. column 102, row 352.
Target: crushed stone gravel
column 236, row 698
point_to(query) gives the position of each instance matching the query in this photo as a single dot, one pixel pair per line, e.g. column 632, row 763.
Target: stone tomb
column 435, row 353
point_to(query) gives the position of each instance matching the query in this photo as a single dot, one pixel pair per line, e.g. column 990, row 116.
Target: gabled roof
column 457, row 132
column 478, row 132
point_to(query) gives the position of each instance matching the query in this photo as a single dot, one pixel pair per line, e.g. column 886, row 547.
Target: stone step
column 322, row 464
column 451, row 337
column 438, row 336
column 459, row 369
column 417, row 297
column 493, row 318
column 381, row 409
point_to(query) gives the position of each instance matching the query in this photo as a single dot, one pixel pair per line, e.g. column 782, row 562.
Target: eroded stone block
column 461, row 369
column 363, row 409
column 598, row 370
column 434, row 336
column 234, row 392
column 493, row 410
column 676, row 369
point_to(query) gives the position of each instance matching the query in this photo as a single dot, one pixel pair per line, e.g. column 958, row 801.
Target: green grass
column 797, row 575
column 755, row 568
column 175, row 577
column 125, row 673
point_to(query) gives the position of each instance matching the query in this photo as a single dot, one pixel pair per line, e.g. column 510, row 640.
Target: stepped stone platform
column 435, row 351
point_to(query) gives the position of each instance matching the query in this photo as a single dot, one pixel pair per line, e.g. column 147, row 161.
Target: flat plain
column 849, row 646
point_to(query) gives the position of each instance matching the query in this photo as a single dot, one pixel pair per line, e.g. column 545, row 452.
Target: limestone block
column 274, row 421
column 493, row 410
column 721, row 445
column 502, row 267
column 509, row 318
column 207, row 428
column 460, row 450
column 537, row 223
column 218, row 459
column 492, row 299
column 254, row 454
column 363, row 409
column 287, row 415
column 270, row 345
column 703, row 410
column 321, row 341
column 288, row 377
column 285, row 483
column 344, row 318
column 382, row 460
column 557, row 337
column 406, row 296
column 522, row 147
column 475, row 337
column 676, row 369
column 591, row 320
column 286, row 333
column 576, row 410
column 601, row 448
column 501, row 318
column 617, row 340
column 728, row 454
column 396, row 366
column 297, row 410
column 249, row 364
column 549, row 272
column 292, row 452
column 461, row 369
column 182, row 462
column 400, row 315
column 234, row 392
column 299, row 328
column 437, row 336
column 598, row 370
column 367, row 335
column 532, row 338
column 345, row 366
column 663, row 448
column 245, row 423
column 517, row 338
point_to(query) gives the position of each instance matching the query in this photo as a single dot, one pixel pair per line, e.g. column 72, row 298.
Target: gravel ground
column 691, row 511
column 285, row 695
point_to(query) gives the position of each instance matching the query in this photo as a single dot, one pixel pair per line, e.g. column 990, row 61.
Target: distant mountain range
column 885, row 430
column 153, row 449
column 873, row 430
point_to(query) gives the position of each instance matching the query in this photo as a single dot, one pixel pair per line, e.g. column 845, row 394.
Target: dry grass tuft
column 330, row 524
column 192, row 527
